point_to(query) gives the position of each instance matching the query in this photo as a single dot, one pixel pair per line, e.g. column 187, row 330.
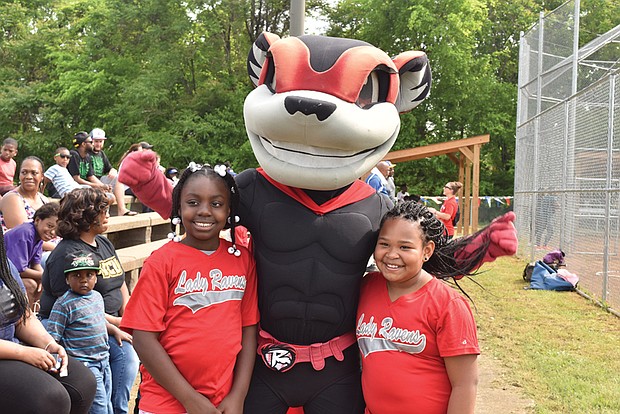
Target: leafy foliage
column 174, row 73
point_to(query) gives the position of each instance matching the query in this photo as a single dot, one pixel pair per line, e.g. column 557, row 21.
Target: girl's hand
column 200, row 404
column 231, row 405
column 119, row 335
column 39, row 358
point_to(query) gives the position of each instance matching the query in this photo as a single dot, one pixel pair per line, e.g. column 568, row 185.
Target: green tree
column 473, row 48
column 174, row 73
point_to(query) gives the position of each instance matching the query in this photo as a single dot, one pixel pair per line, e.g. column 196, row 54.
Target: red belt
column 280, row 356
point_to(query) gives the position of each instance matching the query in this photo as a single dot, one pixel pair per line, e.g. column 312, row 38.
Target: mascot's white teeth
column 304, row 155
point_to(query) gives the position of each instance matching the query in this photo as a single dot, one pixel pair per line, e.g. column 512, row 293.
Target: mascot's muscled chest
column 309, row 264
column 341, row 236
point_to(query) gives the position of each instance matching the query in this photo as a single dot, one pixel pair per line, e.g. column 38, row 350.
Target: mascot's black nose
column 307, row 106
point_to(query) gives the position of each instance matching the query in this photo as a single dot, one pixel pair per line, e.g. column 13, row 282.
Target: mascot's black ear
column 415, row 79
column 258, row 54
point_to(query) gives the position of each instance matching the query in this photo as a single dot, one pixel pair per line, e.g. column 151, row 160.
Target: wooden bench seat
column 125, row 231
column 132, row 259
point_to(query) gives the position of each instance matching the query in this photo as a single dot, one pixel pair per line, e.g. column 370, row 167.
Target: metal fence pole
column 536, row 143
column 610, row 147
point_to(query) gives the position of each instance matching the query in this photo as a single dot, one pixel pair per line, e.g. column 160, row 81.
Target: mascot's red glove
column 147, row 182
column 501, row 235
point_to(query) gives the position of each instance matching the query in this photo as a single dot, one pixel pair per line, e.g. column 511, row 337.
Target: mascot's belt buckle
column 278, row 357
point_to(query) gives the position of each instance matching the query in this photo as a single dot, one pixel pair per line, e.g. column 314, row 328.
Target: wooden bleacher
column 133, row 202
column 135, row 238
column 126, row 231
column 132, row 258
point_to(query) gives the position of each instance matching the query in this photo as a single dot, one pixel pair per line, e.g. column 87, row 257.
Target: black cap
column 81, row 261
column 146, row 145
column 79, row 138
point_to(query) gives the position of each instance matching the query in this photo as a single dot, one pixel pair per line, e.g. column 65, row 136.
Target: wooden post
column 475, row 189
column 461, row 197
column 466, row 213
column 468, row 151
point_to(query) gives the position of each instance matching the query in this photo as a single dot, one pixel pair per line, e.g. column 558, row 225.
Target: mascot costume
column 324, row 112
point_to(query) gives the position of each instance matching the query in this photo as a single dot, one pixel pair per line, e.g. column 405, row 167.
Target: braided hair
column 206, row 170
column 21, row 300
column 444, row 262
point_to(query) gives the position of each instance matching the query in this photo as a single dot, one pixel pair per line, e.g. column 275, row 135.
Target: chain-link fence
column 489, row 207
column 567, row 169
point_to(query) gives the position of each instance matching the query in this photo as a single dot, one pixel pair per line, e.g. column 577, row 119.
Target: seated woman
column 82, row 219
column 18, row 205
column 30, row 379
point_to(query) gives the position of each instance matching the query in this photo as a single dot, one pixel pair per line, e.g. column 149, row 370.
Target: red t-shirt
column 403, row 344
column 450, row 207
column 7, row 172
column 199, row 303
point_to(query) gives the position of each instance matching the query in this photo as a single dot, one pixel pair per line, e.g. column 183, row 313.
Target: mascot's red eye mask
column 326, row 110
column 342, row 70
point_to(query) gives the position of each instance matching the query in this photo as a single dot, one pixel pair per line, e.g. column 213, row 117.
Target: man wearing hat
column 80, row 166
column 101, row 164
column 77, row 321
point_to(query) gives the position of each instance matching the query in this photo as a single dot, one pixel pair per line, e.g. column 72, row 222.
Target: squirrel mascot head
column 326, row 110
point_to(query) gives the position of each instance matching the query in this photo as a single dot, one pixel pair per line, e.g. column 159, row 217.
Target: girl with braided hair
column 411, row 326
column 193, row 313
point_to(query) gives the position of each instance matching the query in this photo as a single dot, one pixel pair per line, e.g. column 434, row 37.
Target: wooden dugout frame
column 465, row 153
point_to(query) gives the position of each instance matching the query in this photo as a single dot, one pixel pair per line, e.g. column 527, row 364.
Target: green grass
column 563, row 350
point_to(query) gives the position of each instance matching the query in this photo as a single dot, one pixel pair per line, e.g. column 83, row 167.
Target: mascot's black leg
column 343, row 397
column 261, row 399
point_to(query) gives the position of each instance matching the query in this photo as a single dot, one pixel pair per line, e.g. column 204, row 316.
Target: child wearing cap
column 77, row 321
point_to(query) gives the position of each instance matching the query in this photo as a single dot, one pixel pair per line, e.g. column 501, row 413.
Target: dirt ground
column 495, row 394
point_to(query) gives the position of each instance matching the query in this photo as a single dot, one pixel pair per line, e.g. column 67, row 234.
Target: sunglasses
column 65, row 156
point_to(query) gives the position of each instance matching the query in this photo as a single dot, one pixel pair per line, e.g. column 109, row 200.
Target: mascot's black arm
column 309, row 266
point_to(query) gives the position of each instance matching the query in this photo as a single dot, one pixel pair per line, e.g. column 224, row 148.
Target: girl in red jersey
column 416, row 334
column 450, row 207
column 193, row 313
